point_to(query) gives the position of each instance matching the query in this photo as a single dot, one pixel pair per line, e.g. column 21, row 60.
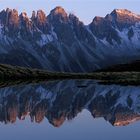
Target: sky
column 86, row 10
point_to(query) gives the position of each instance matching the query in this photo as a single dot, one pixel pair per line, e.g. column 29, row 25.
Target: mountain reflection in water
column 60, row 101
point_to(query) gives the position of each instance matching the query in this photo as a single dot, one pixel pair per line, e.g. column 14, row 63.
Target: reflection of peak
column 126, row 119
column 58, row 122
column 39, row 115
column 61, row 101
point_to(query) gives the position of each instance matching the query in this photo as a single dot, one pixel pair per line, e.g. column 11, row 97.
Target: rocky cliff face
column 63, row 100
column 61, row 42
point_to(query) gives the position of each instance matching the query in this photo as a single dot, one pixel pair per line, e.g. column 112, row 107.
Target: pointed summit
column 10, row 18
column 124, row 12
column 33, row 17
column 58, row 14
column 98, row 20
column 41, row 16
column 39, row 20
column 23, row 15
column 59, row 11
column 122, row 18
column 25, row 22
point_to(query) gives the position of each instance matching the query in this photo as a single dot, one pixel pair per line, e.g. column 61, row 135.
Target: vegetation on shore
column 15, row 73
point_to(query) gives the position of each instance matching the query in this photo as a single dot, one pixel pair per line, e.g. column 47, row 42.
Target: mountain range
column 61, row 42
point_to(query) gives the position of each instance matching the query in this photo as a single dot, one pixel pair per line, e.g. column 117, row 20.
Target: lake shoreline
column 15, row 73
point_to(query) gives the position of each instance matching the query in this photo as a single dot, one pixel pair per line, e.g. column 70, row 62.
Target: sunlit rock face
column 118, row 19
column 61, row 42
column 64, row 100
column 10, row 20
column 39, row 20
column 58, row 14
column 123, row 18
column 103, row 28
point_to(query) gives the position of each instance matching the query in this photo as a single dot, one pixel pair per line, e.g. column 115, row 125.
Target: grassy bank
column 8, row 72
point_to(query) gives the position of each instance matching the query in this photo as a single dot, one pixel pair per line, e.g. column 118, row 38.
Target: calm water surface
column 69, row 110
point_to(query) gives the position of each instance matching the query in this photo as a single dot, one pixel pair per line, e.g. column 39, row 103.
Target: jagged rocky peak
column 103, row 28
column 58, row 13
column 123, row 18
column 25, row 21
column 24, row 15
column 74, row 19
column 124, row 12
column 33, row 15
column 10, row 18
column 80, row 30
column 40, row 17
column 97, row 20
column 40, row 20
column 99, row 24
column 2, row 16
